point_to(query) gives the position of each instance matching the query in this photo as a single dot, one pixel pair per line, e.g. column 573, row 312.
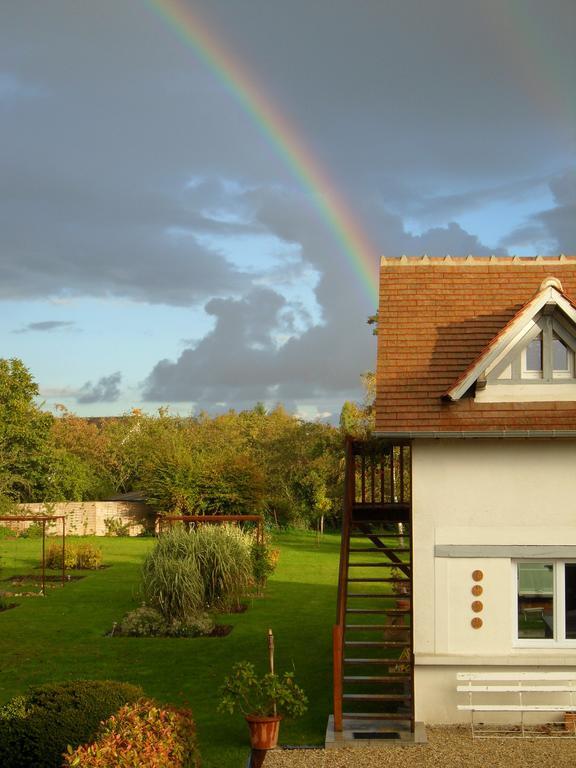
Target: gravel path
column 449, row 747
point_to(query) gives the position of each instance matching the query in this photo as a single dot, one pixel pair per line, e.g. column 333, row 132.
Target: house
column 476, row 423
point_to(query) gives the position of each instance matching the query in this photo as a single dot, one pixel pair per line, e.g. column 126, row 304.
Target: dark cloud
column 136, row 174
column 91, row 240
column 45, row 326
column 105, row 390
column 245, row 358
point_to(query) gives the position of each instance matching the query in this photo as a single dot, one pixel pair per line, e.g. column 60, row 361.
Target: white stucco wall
column 482, row 493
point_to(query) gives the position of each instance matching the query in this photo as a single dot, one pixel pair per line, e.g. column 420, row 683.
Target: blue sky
column 155, row 248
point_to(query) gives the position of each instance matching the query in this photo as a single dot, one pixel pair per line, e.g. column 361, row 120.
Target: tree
column 358, row 419
column 26, row 457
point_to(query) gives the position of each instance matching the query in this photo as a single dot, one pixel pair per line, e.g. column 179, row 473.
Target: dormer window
column 532, row 359
column 548, row 355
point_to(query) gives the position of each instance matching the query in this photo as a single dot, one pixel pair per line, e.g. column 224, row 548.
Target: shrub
column 7, row 533
column 264, row 561
column 148, row 622
column 54, row 556
column 36, row 729
column 115, row 527
column 141, row 734
column 190, row 571
column 80, row 556
column 33, row 531
column 88, row 556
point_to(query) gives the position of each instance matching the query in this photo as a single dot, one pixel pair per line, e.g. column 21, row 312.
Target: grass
column 62, row 637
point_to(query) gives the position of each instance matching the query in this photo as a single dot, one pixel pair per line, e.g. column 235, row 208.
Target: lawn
column 62, row 637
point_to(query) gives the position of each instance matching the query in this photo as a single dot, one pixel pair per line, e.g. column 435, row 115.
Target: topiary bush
column 144, row 735
column 36, row 729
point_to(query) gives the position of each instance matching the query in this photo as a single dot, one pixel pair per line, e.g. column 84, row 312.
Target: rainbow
column 282, row 135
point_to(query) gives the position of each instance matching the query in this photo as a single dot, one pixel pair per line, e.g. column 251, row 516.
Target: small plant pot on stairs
column 570, row 722
column 263, row 731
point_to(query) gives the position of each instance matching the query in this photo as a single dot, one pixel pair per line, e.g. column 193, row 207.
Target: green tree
column 26, row 456
column 358, row 419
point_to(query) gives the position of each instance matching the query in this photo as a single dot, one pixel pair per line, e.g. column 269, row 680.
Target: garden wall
column 88, row 518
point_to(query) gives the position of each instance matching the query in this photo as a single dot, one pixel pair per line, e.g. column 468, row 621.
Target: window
column 546, row 602
column 547, row 356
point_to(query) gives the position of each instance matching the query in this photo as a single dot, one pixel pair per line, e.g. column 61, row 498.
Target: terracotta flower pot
column 570, row 722
column 263, row 731
column 403, row 603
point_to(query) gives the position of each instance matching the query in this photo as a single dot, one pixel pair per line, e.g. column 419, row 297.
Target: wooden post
column 337, row 674
column 271, row 656
column 63, row 551
column 44, row 558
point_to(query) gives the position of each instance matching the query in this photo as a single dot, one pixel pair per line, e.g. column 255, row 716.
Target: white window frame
column 559, row 602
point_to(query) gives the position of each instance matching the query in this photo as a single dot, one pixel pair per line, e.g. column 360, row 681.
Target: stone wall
column 92, row 518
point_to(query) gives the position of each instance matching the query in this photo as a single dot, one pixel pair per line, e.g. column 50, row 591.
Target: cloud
column 106, row 390
column 90, row 240
column 555, row 228
column 254, row 352
column 46, row 326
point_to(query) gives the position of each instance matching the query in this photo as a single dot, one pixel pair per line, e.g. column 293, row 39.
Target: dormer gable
column 533, row 358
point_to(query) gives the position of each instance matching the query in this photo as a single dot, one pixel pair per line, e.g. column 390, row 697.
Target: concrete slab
column 373, row 733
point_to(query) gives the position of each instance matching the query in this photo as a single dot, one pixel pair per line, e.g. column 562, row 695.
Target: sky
column 195, row 193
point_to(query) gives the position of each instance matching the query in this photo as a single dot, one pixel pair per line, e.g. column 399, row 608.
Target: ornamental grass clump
column 224, row 555
column 187, row 572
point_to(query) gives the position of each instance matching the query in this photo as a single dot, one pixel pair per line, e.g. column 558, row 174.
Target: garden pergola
column 43, row 519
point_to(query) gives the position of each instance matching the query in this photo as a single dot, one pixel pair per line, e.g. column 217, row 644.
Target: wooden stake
column 271, row 656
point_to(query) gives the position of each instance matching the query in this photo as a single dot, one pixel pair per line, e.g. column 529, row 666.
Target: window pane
column 534, row 355
column 535, row 600
column 570, row 588
column 560, row 355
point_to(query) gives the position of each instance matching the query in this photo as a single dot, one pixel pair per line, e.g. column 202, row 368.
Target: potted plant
column 401, row 589
column 263, row 701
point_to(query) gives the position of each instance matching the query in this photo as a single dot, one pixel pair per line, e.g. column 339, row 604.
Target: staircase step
column 376, row 643
column 368, row 610
column 376, row 595
column 374, row 627
column 375, row 697
column 379, row 549
column 372, row 565
column 386, row 579
column 375, row 716
column 362, row 679
column 389, row 662
column 373, row 579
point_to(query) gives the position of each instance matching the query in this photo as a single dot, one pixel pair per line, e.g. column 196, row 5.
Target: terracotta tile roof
column 437, row 315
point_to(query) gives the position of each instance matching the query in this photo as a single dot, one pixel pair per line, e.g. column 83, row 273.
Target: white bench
column 519, row 693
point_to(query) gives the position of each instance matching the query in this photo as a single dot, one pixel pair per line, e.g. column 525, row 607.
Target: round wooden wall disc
column 477, row 590
column 477, row 575
column 476, row 622
column 477, row 606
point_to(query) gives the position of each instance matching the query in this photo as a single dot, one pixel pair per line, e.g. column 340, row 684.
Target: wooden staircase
column 373, row 653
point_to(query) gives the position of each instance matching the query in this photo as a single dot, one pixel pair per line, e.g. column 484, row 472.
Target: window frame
column 558, row 640
column 548, row 327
